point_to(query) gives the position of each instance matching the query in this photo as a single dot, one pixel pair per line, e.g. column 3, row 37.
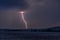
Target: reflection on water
column 9, row 34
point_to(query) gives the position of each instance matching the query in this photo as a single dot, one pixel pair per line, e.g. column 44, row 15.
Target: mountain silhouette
column 52, row 29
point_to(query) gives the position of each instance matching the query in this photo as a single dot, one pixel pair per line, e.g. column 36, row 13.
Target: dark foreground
column 9, row 34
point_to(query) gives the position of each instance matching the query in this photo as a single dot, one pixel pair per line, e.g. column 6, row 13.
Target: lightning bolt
column 22, row 15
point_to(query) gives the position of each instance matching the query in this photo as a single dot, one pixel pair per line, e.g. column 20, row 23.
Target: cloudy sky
column 39, row 13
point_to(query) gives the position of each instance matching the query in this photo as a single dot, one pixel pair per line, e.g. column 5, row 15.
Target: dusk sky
column 39, row 14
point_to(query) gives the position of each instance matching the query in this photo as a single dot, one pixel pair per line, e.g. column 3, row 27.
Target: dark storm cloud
column 45, row 13
column 22, row 4
column 9, row 16
column 39, row 13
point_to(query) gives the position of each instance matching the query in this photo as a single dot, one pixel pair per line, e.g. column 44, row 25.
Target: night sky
column 39, row 13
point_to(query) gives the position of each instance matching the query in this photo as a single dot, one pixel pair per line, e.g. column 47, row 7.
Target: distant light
column 22, row 12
